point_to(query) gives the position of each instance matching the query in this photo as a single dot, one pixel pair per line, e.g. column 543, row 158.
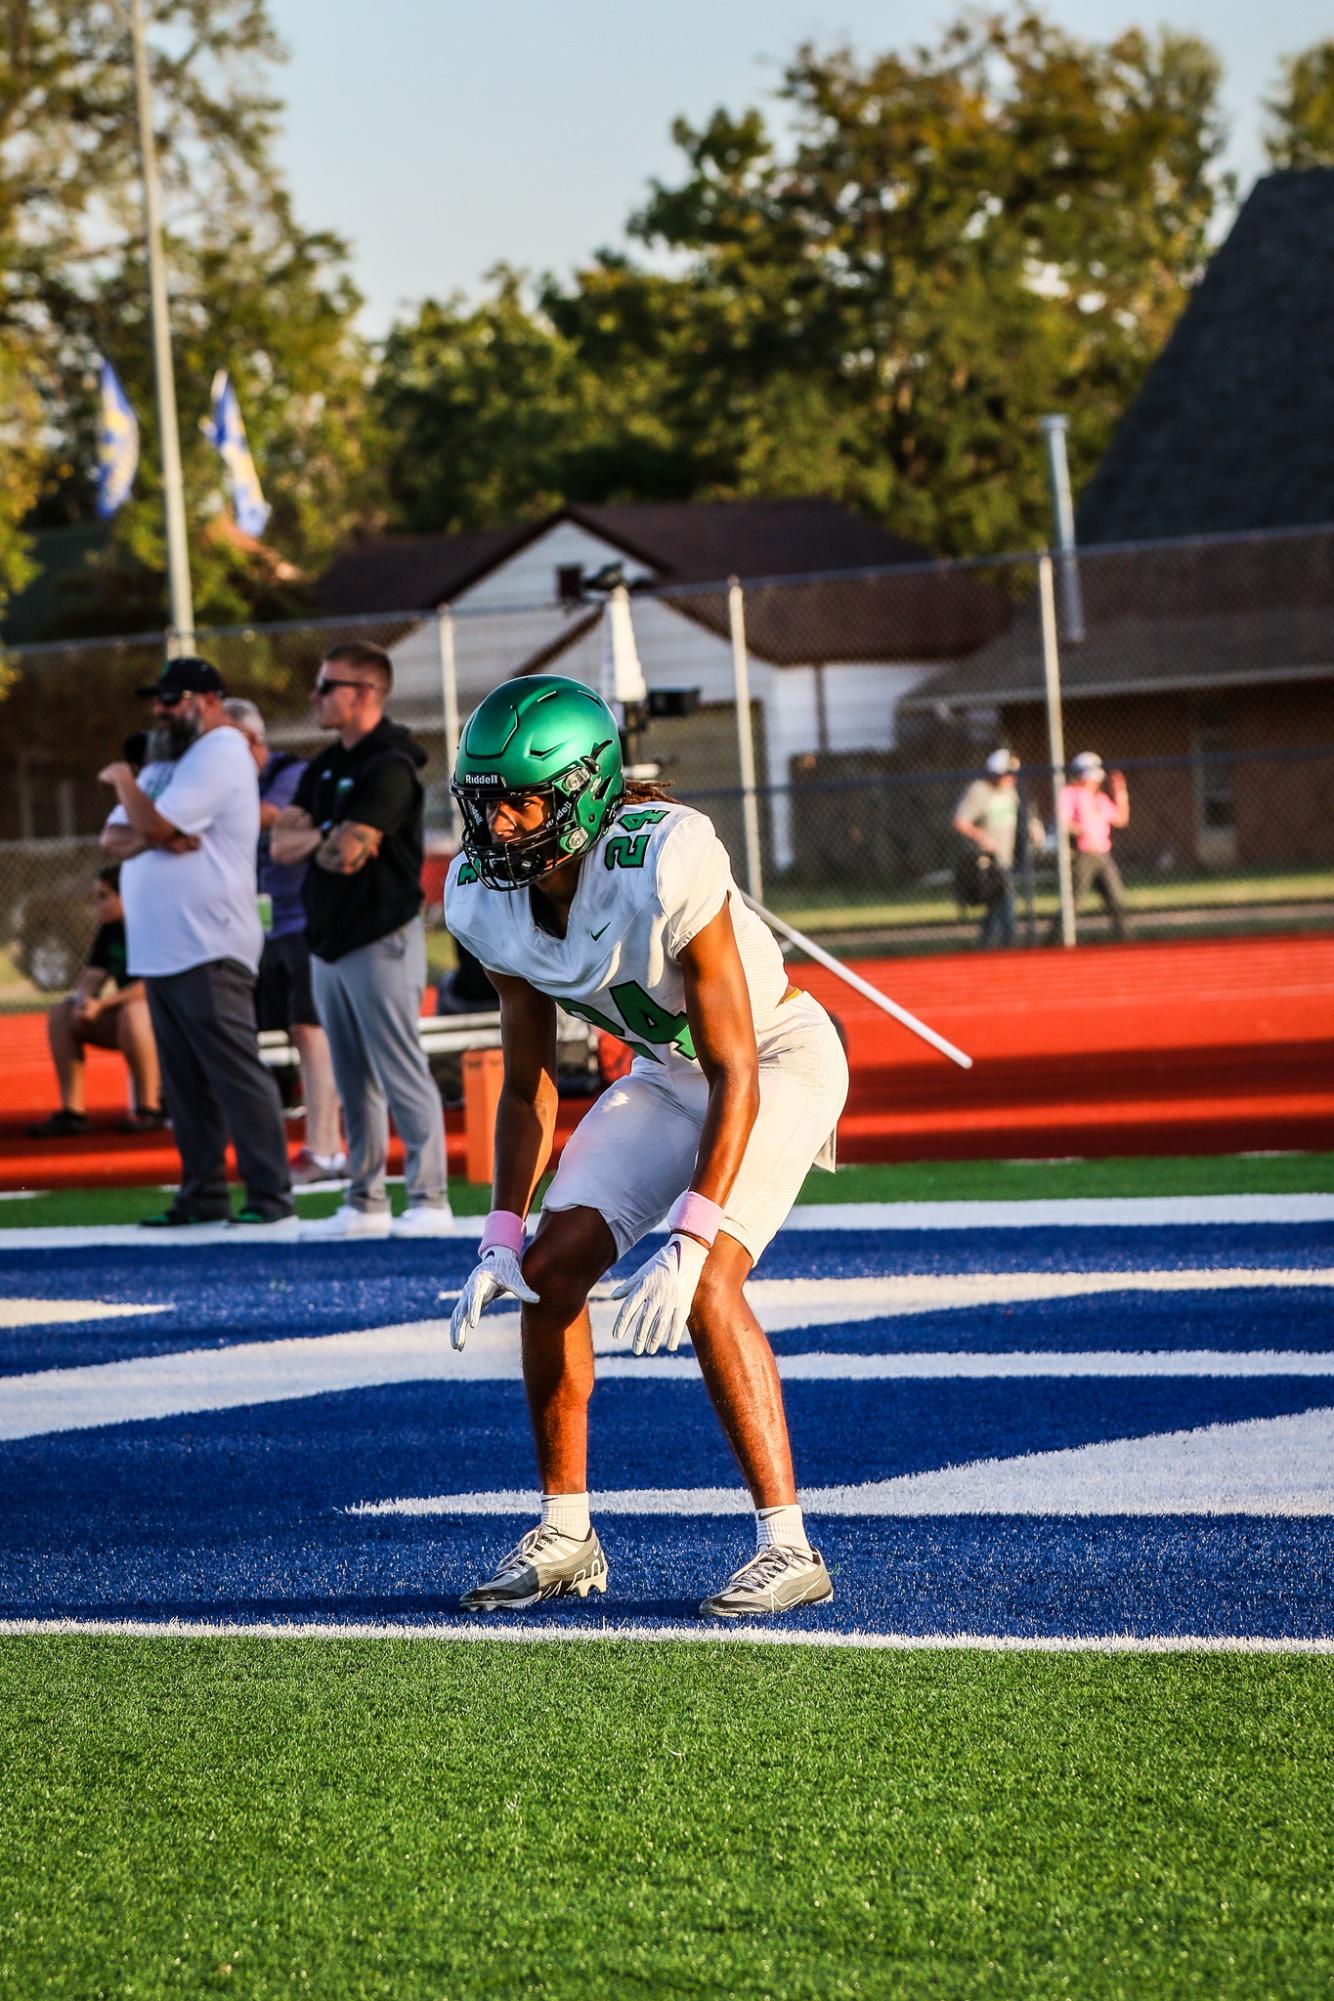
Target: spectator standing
column 283, row 996
column 1088, row 815
column 357, row 817
column 186, row 831
column 90, row 1018
column 988, row 816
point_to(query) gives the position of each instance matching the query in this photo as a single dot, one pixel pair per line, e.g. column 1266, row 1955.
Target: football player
column 619, row 904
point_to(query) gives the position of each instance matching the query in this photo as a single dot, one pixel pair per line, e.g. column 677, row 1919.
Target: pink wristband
column 503, row 1232
column 696, row 1215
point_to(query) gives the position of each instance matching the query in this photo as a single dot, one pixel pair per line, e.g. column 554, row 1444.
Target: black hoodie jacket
column 375, row 783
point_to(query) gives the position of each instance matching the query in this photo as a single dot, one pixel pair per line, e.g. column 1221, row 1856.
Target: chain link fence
column 1201, row 672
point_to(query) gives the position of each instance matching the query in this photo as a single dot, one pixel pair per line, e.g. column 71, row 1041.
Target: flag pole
column 181, row 638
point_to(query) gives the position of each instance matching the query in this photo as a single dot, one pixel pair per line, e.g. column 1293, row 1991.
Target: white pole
column 736, row 618
column 449, row 689
column 181, row 638
column 1063, row 516
column 1051, row 674
column 858, row 984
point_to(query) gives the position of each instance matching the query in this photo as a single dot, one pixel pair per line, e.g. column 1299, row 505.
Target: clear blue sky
column 444, row 136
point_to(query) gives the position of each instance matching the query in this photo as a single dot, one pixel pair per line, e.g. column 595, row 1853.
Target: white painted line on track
column 527, row 1634
column 1280, row 1466
column 63, row 1312
column 1074, row 1212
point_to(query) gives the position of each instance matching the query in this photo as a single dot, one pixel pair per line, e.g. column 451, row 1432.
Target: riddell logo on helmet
column 483, row 778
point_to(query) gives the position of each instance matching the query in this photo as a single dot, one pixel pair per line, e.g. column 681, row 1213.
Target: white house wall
column 492, row 641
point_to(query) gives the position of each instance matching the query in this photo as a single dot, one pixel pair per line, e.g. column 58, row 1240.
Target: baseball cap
column 1087, row 763
column 187, row 676
column 1000, row 762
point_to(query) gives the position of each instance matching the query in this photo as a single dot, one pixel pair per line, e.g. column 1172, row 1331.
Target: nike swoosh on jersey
column 595, row 935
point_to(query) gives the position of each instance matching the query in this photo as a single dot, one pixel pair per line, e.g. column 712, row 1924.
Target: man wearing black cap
column 186, row 832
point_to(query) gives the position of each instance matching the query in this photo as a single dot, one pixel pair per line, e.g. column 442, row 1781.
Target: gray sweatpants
column 214, row 1083
column 369, row 1002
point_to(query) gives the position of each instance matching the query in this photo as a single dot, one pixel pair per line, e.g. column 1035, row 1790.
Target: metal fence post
column 1051, row 674
column 449, row 690
column 745, row 738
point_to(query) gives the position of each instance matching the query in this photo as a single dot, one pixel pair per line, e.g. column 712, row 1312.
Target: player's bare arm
column 722, row 1028
column 294, row 836
column 526, row 1113
column 348, row 847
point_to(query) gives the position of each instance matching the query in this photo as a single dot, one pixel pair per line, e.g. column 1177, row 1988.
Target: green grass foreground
column 909, row 1181
column 412, row 1819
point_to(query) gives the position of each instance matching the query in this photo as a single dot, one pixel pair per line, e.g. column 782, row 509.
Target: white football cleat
column 545, row 1563
column 774, row 1580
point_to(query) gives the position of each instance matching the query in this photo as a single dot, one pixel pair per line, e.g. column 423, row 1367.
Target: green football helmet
column 545, row 735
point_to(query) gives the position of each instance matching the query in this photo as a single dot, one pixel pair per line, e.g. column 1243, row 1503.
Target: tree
column 250, row 289
column 1301, row 127
column 955, row 241
column 877, row 304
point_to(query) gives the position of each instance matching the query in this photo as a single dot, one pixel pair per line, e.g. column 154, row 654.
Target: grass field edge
column 527, row 1634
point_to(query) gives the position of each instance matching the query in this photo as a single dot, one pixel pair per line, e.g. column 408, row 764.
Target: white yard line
column 523, row 1633
column 1073, row 1213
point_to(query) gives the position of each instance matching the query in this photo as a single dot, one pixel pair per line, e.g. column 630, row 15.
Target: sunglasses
column 323, row 687
column 170, row 699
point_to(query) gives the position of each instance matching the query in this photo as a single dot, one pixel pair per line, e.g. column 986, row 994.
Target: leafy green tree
column 250, row 291
column 1301, row 116
column 953, row 241
column 876, row 301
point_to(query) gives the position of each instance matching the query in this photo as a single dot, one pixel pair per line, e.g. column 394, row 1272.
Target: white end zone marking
column 1073, row 1212
column 1261, row 1466
column 523, row 1633
column 58, row 1312
column 263, row 1372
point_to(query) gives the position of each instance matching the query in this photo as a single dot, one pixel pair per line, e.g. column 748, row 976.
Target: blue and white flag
column 227, row 432
column 117, row 445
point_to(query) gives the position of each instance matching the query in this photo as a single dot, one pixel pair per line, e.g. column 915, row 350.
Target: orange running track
column 1133, row 1049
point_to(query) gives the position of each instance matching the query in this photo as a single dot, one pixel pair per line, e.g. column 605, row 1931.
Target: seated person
column 118, row 1020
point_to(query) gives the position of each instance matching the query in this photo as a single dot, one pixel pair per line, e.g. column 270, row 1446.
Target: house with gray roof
column 842, row 620
column 1205, row 570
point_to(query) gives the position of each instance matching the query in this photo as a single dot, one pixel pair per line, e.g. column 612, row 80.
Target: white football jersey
column 655, row 879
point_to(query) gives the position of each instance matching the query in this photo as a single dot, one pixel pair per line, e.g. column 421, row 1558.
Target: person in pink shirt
column 1088, row 815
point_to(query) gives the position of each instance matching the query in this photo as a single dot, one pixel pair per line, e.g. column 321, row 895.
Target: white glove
column 496, row 1271
column 657, row 1298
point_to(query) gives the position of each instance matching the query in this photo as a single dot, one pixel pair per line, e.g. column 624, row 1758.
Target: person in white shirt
column 619, row 905
column 186, row 831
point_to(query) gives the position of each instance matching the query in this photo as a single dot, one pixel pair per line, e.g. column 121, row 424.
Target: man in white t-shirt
column 185, row 831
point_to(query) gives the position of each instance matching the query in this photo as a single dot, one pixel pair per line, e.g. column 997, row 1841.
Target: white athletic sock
column 568, row 1512
column 780, row 1525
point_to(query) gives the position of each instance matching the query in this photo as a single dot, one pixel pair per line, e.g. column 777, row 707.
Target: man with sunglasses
column 185, row 831
column 357, row 818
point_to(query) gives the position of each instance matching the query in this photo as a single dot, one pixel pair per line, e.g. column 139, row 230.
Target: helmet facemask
column 563, row 834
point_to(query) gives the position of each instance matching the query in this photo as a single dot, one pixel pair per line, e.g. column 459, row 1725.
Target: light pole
column 181, row 637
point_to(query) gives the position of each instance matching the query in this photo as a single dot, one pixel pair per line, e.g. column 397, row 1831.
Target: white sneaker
column 347, row 1223
column 309, row 1169
column 424, row 1219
